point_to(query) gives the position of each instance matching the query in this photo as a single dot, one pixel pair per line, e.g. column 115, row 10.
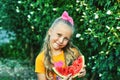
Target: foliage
column 97, row 25
column 16, row 70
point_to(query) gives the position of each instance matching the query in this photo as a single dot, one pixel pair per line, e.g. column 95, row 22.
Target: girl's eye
column 66, row 39
column 59, row 35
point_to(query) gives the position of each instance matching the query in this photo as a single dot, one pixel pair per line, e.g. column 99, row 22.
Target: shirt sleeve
column 39, row 64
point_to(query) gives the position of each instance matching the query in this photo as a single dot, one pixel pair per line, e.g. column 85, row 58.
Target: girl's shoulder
column 40, row 55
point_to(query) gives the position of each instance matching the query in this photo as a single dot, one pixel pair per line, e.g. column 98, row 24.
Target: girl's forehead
column 62, row 25
column 63, row 28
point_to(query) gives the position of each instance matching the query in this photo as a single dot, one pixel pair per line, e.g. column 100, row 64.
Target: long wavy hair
column 68, row 53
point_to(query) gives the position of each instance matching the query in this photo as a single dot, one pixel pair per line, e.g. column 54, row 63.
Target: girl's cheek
column 66, row 42
column 53, row 37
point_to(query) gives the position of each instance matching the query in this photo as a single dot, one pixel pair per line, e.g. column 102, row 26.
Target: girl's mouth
column 58, row 44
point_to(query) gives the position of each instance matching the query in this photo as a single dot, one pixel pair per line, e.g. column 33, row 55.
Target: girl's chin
column 57, row 47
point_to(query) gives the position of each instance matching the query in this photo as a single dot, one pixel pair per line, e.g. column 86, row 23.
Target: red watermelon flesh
column 73, row 69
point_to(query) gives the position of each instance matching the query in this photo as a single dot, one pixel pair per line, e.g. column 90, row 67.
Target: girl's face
column 60, row 34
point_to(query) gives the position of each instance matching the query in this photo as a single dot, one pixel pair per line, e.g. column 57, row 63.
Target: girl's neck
column 56, row 52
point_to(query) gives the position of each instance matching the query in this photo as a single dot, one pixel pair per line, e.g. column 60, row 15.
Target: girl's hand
column 67, row 77
column 82, row 72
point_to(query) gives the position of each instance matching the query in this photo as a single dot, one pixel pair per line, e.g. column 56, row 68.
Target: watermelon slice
column 73, row 69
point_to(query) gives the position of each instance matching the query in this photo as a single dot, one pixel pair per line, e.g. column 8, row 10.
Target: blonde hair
column 69, row 54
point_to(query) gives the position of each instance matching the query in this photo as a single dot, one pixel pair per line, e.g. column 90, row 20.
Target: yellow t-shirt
column 39, row 65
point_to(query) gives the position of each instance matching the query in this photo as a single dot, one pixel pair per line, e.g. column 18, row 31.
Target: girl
column 57, row 48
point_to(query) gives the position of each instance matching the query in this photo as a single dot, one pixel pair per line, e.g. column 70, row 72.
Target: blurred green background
column 23, row 25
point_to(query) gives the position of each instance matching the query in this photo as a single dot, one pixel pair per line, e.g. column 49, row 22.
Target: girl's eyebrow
column 67, row 38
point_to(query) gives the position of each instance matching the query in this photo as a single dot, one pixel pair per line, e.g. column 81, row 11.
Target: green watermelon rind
column 62, row 76
column 75, row 75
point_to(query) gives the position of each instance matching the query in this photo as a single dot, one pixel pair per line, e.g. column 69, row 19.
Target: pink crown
column 66, row 17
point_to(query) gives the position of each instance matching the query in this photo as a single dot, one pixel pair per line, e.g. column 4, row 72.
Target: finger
column 68, row 77
column 79, row 75
column 82, row 70
column 84, row 65
column 82, row 74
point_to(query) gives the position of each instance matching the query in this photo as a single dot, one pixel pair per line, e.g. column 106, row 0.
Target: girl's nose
column 61, row 40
